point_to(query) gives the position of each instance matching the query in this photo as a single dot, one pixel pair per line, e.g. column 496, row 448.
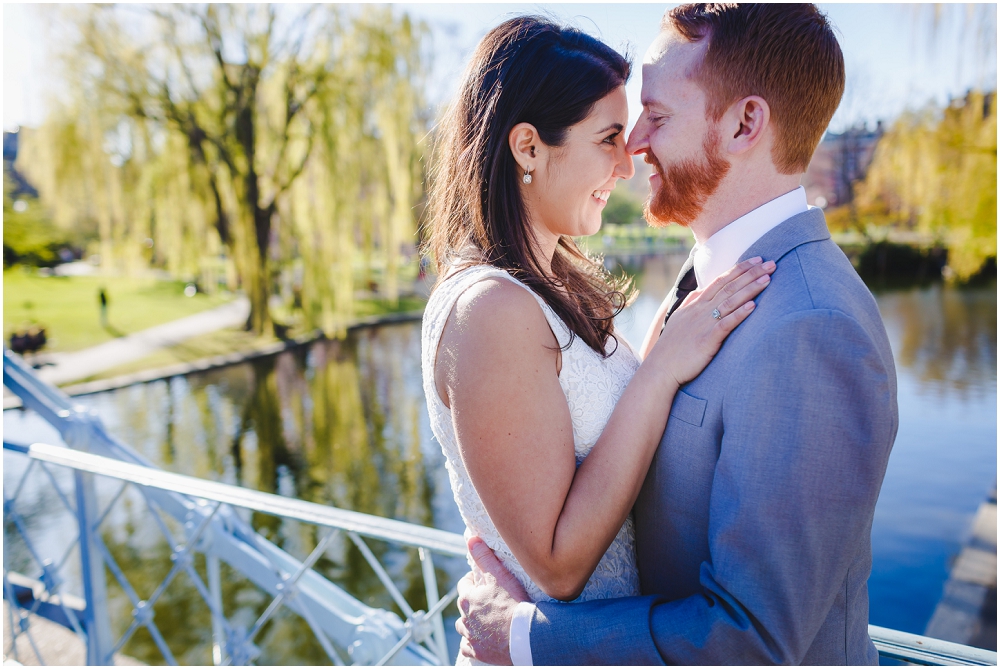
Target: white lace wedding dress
column 592, row 385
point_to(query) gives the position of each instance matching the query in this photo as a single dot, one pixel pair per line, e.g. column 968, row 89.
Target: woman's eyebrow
column 614, row 126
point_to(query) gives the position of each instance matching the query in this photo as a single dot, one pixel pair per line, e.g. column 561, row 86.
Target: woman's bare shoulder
column 499, row 311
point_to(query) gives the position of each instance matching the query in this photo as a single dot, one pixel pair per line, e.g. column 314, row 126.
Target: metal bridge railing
column 211, row 525
column 209, row 514
column 417, row 640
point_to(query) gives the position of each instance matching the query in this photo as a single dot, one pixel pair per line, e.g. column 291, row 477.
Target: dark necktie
column 688, row 283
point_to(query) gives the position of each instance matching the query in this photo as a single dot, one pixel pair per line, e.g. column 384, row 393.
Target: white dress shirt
column 711, row 259
column 725, row 247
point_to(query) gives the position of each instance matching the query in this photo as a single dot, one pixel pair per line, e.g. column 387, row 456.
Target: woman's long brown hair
column 526, row 70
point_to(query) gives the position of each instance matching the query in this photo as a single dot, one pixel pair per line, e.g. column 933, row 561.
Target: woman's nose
column 625, row 168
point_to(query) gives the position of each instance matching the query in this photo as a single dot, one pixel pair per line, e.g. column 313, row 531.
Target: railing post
column 97, row 623
column 215, row 590
column 431, row 586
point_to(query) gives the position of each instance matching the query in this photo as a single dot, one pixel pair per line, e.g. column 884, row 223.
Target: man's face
column 675, row 134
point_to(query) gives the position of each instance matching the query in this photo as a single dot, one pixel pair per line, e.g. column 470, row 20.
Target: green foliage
column 622, row 208
column 863, row 218
column 29, row 236
column 935, row 170
column 258, row 145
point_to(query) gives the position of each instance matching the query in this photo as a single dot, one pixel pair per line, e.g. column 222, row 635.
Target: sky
column 893, row 60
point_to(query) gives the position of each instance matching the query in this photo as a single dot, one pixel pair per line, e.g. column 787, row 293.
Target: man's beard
column 688, row 185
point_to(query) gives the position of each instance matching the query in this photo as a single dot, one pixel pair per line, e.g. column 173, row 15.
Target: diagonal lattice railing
column 346, row 629
column 419, row 638
column 209, row 515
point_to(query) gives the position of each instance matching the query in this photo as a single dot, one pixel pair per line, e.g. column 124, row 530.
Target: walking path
column 78, row 365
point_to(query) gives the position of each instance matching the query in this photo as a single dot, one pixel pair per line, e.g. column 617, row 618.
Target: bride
column 547, row 419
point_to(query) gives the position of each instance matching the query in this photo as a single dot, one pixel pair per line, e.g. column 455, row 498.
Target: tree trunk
column 256, row 270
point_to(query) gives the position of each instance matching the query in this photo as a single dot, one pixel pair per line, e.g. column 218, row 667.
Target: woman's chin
column 589, row 228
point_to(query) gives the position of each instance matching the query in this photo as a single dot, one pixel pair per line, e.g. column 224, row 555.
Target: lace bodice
column 592, row 385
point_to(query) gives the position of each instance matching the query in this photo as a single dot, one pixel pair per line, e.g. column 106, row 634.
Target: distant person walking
column 102, row 297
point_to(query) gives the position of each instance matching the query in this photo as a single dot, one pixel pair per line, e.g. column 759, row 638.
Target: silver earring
column 527, row 176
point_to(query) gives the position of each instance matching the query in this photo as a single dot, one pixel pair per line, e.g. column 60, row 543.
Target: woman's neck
column 544, row 245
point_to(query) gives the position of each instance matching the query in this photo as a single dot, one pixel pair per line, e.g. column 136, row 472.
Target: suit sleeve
column 808, row 422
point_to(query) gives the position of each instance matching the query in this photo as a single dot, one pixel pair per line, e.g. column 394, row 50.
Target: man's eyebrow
column 651, row 102
column 614, row 126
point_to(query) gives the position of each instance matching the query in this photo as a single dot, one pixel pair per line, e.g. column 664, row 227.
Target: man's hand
column 486, row 599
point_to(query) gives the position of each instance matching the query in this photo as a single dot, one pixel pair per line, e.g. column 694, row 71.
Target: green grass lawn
column 68, row 309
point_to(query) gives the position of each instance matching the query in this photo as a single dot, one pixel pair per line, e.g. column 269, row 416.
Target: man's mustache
column 649, row 159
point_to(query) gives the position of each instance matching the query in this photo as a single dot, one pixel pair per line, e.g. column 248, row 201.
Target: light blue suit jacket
column 753, row 527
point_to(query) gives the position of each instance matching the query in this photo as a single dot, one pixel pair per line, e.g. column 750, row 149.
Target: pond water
column 345, row 424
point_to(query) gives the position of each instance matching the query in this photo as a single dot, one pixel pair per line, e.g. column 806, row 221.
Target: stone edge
column 960, row 616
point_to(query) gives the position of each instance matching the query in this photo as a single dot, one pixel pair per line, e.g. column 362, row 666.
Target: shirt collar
column 724, row 248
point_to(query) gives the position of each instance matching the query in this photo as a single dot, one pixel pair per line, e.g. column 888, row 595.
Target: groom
column 753, row 527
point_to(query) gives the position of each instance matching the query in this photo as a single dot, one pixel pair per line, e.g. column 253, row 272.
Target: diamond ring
column 716, row 314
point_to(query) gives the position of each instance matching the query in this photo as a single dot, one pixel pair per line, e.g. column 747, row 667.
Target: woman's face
column 570, row 187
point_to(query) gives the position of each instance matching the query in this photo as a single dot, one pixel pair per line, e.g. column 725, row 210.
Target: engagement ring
column 716, row 314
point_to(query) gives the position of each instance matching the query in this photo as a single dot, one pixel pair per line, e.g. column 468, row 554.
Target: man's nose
column 638, row 139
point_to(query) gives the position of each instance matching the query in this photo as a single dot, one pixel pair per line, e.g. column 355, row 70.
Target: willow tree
column 231, row 127
column 936, row 171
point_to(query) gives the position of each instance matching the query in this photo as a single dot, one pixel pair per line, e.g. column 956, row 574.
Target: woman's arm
column 497, row 370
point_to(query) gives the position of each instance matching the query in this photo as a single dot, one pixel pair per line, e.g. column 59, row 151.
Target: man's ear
column 526, row 146
column 746, row 123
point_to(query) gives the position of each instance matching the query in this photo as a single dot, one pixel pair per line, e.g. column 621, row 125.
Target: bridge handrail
column 890, row 643
column 376, row 527
column 928, row 651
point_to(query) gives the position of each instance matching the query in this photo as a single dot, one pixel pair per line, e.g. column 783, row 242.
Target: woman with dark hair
column 547, row 419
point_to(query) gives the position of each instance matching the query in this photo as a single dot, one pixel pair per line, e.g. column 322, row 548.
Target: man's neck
column 735, row 199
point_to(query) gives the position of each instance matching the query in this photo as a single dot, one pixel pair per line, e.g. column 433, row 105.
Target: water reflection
column 947, row 338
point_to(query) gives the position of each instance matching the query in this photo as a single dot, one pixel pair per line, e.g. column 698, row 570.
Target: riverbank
column 259, row 350
column 900, row 260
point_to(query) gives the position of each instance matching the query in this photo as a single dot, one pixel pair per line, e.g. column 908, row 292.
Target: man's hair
column 784, row 53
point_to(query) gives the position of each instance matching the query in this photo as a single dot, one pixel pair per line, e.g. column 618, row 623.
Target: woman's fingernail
column 756, row 261
column 764, row 279
column 769, row 264
column 749, row 306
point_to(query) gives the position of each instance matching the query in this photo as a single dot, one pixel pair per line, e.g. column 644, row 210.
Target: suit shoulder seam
column 805, row 280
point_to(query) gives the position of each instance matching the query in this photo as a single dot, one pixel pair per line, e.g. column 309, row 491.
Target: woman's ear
column 748, row 119
column 526, row 146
